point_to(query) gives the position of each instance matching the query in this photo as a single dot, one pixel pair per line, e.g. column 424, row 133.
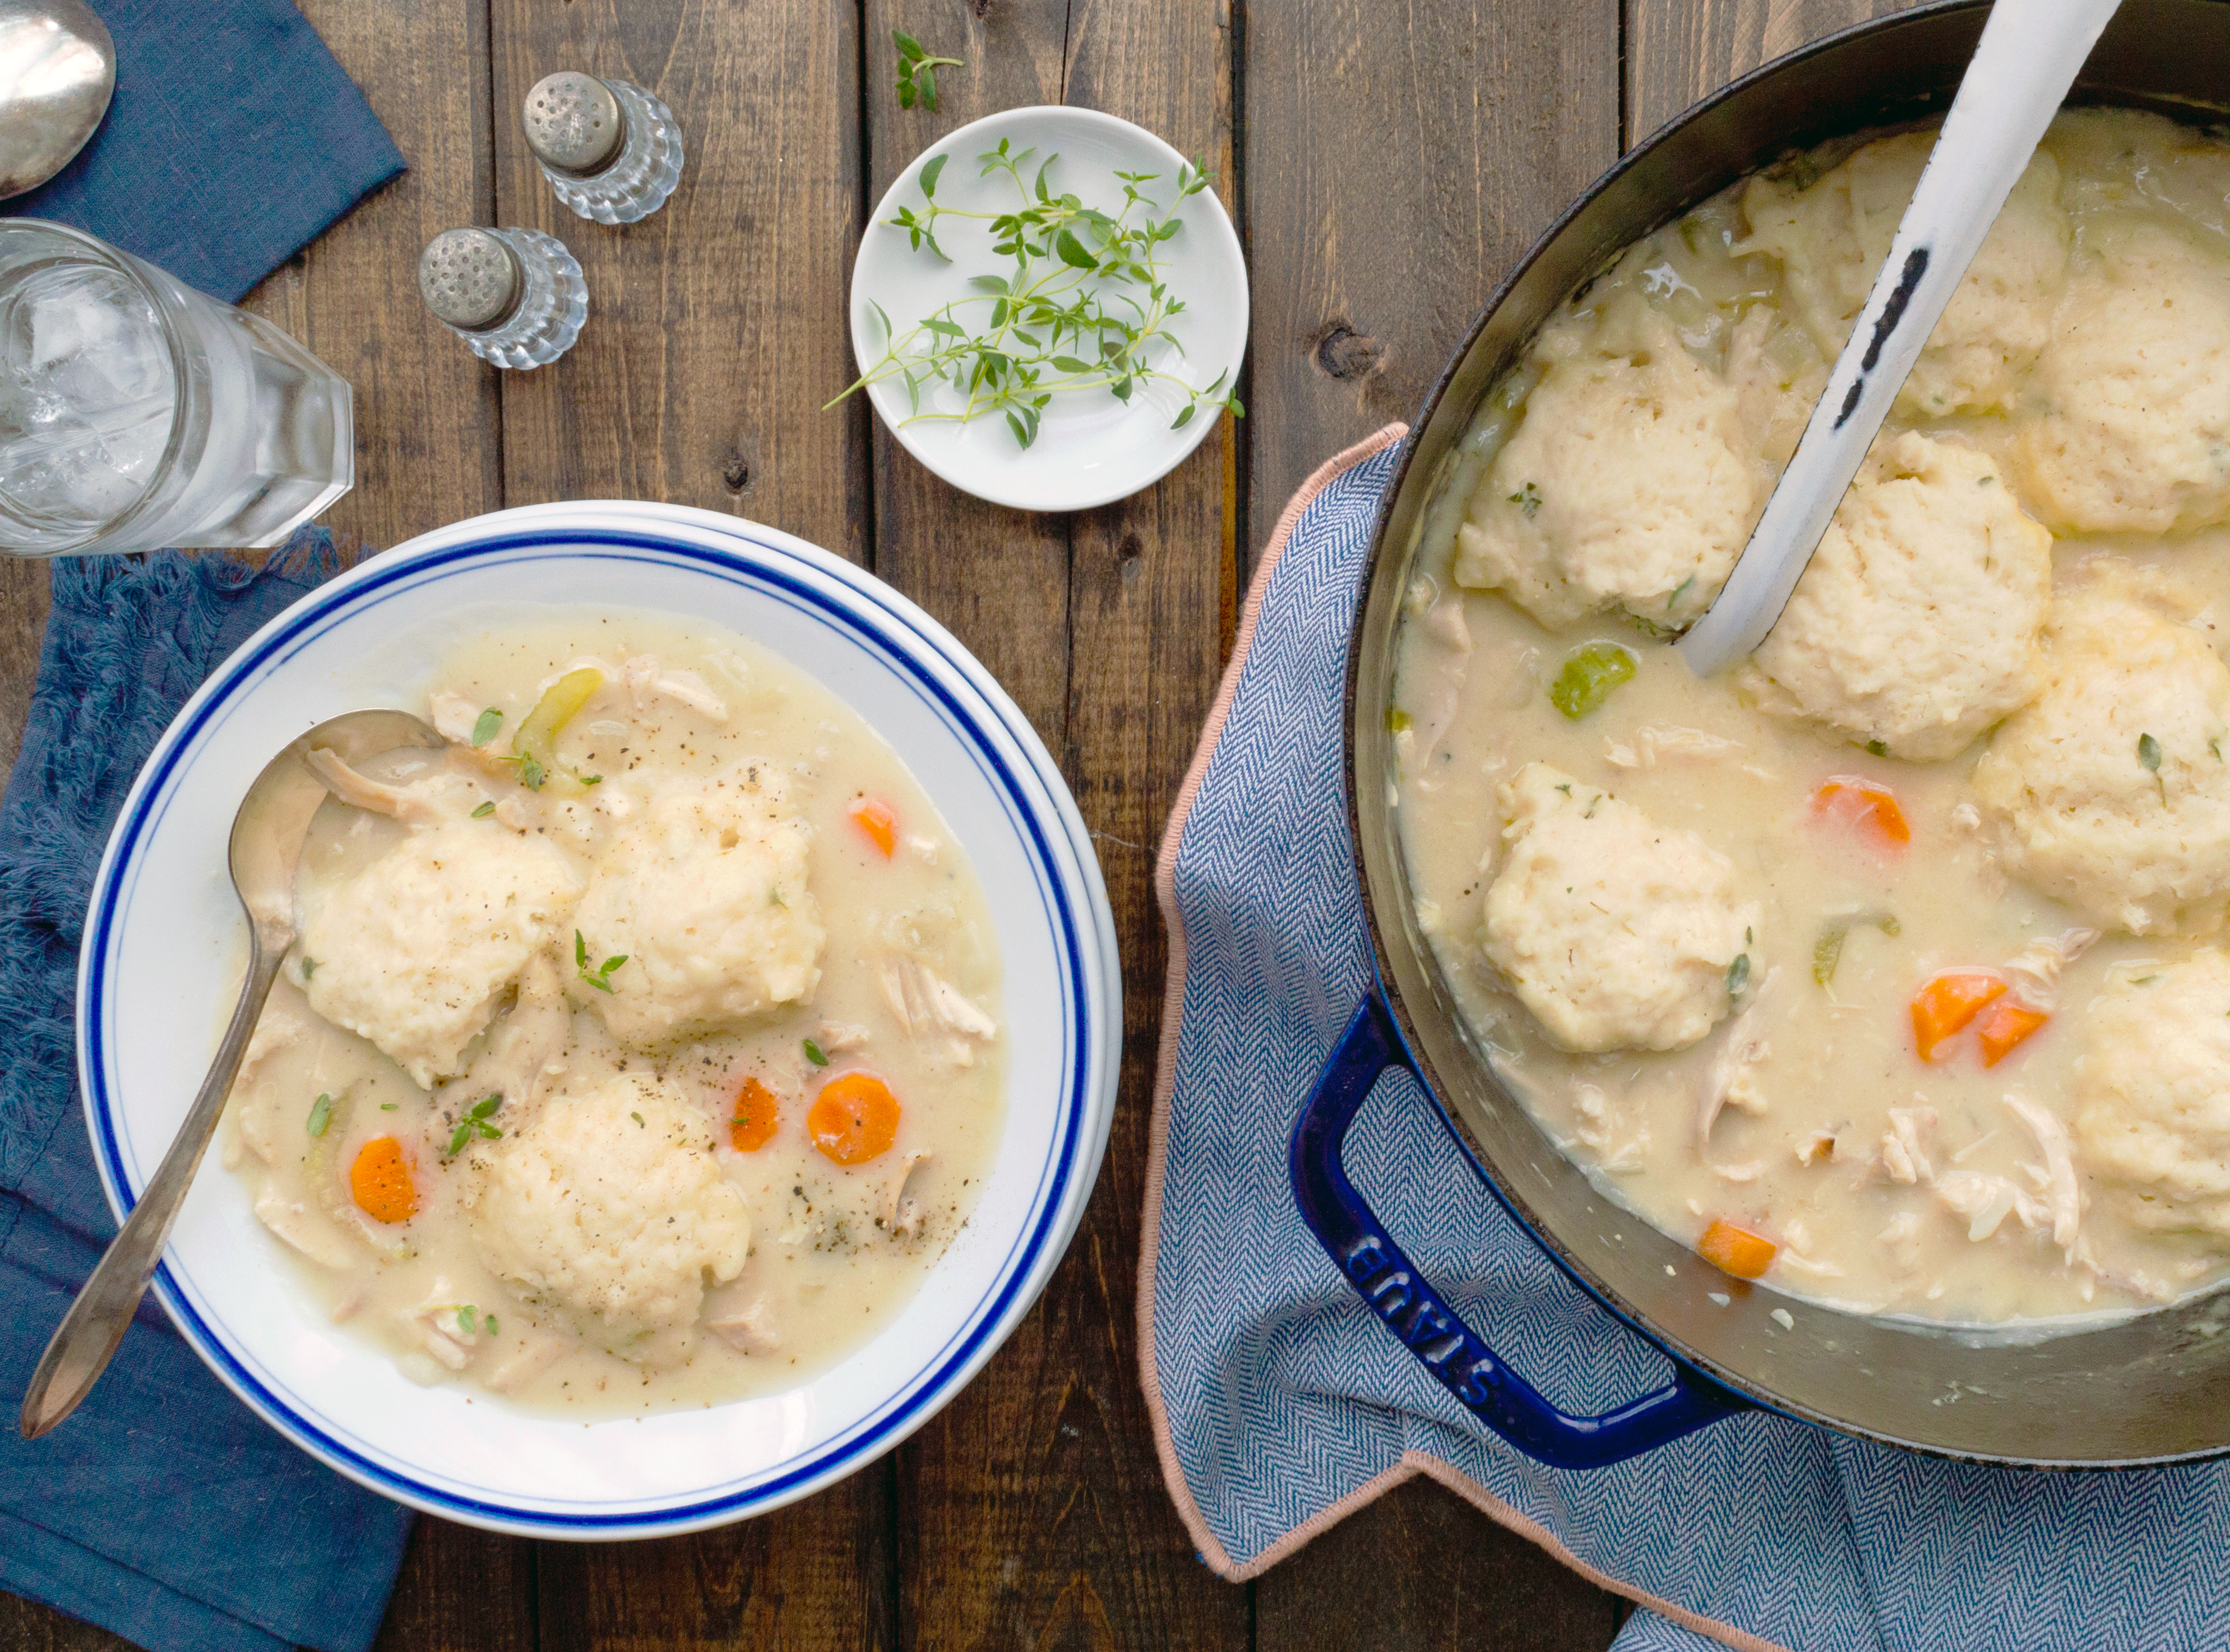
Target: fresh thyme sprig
column 601, row 978
column 1080, row 309
column 918, row 71
column 475, row 1123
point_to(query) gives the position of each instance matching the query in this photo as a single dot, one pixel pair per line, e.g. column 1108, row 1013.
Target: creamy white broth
column 1839, row 1059
column 835, row 1250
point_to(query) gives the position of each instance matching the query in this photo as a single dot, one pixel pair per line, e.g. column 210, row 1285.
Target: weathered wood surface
column 1383, row 168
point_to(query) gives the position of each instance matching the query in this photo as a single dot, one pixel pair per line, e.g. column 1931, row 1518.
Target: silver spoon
column 57, row 69
column 267, row 846
column 2029, row 55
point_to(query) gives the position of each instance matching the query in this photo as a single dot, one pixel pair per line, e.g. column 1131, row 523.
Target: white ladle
column 2027, row 58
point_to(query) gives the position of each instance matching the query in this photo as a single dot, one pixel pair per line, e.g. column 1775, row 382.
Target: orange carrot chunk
column 854, row 1119
column 1736, row 1251
column 874, row 817
column 380, row 1181
column 1856, row 800
column 756, row 1116
column 2005, row 1025
column 1948, row 1002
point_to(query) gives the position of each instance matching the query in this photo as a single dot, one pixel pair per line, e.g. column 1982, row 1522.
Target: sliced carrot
column 875, row 817
column 2005, row 1025
column 1854, row 800
column 1736, row 1251
column 756, row 1115
column 854, row 1119
column 1948, row 1002
column 381, row 1182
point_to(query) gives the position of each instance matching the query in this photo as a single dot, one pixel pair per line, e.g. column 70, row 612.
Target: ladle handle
column 2029, row 55
column 81, row 1345
column 1406, row 1303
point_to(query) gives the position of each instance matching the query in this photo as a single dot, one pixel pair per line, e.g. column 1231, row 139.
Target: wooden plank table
column 1384, row 166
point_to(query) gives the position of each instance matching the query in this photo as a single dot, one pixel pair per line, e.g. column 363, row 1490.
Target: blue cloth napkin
column 164, row 1510
column 233, row 140
column 1281, row 1403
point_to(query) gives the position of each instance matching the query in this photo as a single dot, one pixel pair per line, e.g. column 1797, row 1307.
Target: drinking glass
column 136, row 412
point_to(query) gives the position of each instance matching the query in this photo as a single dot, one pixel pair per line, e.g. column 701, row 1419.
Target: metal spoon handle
column 2030, row 52
column 87, row 1336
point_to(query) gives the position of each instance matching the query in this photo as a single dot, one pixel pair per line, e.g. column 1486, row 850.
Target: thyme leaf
column 918, row 72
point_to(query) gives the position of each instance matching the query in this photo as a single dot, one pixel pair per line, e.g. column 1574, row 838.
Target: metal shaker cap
column 573, row 122
column 469, row 278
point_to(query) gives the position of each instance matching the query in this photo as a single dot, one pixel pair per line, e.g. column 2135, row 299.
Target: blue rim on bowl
column 815, row 590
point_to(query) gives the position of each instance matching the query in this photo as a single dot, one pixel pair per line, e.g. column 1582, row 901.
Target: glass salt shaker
column 516, row 296
column 610, row 150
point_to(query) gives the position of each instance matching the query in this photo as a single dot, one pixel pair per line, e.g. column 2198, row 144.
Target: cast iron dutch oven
column 2148, row 1389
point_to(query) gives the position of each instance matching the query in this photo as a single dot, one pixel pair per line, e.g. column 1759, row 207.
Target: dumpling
column 414, row 951
column 1624, row 486
column 611, row 1209
column 1832, row 236
column 2111, row 792
column 704, row 894
column 1917, row 623
column 1615, row 933
column 2135, row 437
column 2153, row 1091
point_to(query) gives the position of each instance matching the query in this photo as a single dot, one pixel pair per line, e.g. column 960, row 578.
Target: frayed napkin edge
column 1413, row 1463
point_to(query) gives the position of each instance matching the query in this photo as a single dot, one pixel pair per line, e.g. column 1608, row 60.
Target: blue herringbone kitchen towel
column 164, row 1510
column 1281, row 1403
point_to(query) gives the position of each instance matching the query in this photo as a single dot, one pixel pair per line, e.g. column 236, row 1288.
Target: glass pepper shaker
column 516, row 296
column 610, row 150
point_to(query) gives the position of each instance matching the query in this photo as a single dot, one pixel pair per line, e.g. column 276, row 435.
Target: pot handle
column 1383, row 1275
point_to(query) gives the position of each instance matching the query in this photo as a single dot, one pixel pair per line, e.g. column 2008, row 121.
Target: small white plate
column 1090, row 450
column 154, row 986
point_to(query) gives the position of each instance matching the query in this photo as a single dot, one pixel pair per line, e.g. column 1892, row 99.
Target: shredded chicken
column 1654, row 741
column 1594, row 1117
column 517, row 1370
column 646, row 680
column 841, row 1034
column 1818, row 1148
column 2035, row 970
column 438, row 1325
column 1730, row 1080
column 1901, row 1238
column 748, row 1330
column 1986, row 1201
column 902, row 1215
column 1967, row 818
column 2057, row 1178
column 453, row 717
column 1903, row 1156
column 435, row 795
column 1748, row 1170
column 303, row 1228
column 525, row 1052
column 927, row 1004
column 251, row 1125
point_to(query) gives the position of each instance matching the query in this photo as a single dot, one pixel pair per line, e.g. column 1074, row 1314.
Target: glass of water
column 136, row 412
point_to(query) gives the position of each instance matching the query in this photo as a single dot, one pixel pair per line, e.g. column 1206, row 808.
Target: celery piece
column 1587, row 677
column 536, row 743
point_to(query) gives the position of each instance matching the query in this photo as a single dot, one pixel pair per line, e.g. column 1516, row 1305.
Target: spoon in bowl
column 2028, row 56
column 266, row 848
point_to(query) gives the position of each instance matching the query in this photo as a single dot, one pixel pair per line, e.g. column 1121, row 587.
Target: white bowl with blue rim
column 165, row 938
